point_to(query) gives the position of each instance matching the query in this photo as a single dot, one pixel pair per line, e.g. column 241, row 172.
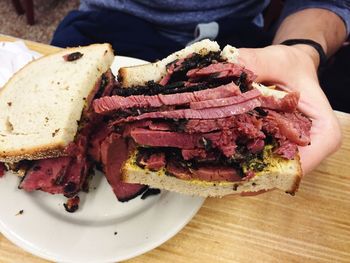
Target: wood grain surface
column 312, row 226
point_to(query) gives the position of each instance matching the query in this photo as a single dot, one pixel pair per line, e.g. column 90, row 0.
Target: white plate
column 102, row 230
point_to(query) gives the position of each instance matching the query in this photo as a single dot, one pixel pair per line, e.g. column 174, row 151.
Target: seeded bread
column 40, row 106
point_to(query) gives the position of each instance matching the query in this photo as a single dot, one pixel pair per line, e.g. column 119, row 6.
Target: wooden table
column 313, row 226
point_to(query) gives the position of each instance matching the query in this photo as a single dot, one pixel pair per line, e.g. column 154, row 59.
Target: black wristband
column 314, row 44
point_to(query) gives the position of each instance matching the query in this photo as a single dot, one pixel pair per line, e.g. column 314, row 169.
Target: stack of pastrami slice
column 203, row 127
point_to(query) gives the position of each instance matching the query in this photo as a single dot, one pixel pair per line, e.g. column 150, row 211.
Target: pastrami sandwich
column 196, row 123
column 46, row 120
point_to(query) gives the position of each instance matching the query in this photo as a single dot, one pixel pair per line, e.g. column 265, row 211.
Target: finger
column 262, row 62
column 325, row 130
column 313, row 102
column 325, row 140
column 252, row 60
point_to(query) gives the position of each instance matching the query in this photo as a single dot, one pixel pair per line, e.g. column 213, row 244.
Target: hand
column 294, row 68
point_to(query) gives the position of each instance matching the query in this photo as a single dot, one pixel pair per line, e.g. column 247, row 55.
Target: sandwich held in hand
column 196, row 123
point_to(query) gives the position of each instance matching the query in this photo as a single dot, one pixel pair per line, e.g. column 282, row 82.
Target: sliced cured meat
column 76, row 175
column 161, row 126
column 205, row 173
column 288, row 103
column 225, row 101
column 165, row 139
column 78, row 170
column 208, row 125
column 256, row 145
column 170, row 70
column 133, row 125
column 215, row 173
column 107, row 104
column 293, row 126
column 152, row 125
column 212, row 113
column 96, row 139
column 220, row 70
column 223, row 140
column 62, row 175
column 103, row 87
column 189, row 154
column 249, row 126
column 178, row 68
column 114, row 152
column 106, row 84
column 47, row 175
column 155, row 161
column 287, row 149
column 228, row 150
column 246, row 124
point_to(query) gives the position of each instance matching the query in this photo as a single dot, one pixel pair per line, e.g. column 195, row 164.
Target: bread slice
column 139, row 75
column 40, row 106
column 279, row 173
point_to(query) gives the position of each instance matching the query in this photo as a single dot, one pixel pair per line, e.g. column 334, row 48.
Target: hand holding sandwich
column 293, row 69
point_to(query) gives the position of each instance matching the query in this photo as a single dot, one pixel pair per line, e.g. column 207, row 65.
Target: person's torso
column 185, row 13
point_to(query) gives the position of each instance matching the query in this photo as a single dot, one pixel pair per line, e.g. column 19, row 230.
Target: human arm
column 320, row 25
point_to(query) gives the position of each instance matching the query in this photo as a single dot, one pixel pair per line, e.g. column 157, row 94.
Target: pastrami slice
column 47, row 175
column 108, row 104
column 212, row 113
column 114, row 152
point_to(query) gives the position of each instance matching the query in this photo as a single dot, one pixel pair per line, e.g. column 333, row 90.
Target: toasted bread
column 39, row 115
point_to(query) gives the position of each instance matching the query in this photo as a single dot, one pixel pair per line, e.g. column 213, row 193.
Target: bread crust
column 299, row 175
column 43, row 152
column 62, row 51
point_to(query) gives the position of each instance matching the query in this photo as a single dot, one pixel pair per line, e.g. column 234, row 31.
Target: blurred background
column 47, row 15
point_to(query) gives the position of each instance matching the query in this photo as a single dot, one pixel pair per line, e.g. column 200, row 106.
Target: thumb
column 256, row 61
